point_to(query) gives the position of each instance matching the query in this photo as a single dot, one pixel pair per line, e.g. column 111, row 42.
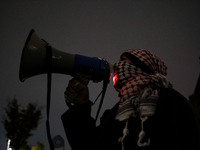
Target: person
column 150, row 113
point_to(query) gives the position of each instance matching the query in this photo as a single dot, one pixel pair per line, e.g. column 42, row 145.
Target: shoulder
column 171, row 98
column 174, row 108
column 174, row 113
column 171, row 93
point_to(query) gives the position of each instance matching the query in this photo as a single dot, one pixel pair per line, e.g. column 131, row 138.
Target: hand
column 76, row 87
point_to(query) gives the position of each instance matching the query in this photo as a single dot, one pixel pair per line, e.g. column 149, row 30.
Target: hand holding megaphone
column 76, row 92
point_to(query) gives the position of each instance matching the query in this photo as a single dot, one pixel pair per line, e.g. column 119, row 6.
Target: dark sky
column 95, row 28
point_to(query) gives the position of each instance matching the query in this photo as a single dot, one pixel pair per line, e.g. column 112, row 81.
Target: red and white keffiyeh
column 138, row 90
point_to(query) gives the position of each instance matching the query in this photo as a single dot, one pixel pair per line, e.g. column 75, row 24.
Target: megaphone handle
column 70, row 98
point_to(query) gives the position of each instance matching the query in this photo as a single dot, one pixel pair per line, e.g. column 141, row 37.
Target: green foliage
column 20, row 122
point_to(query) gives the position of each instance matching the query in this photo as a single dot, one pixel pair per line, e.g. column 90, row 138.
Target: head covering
column 146, row 70
column 138, row 84
column 146, row 60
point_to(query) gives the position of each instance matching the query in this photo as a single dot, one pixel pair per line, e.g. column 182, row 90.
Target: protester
column 149, row 115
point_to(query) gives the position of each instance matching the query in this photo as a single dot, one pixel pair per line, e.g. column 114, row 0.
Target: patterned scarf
column 138, row 90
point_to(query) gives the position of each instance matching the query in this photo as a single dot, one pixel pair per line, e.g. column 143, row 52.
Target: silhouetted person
column 150, row 114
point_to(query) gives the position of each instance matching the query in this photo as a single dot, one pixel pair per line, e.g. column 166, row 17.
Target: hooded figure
column 150, row 114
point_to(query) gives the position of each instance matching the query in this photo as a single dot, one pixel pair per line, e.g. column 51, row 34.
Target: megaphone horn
column 34, row 61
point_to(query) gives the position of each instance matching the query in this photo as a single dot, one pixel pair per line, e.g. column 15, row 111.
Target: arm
column 78, row 124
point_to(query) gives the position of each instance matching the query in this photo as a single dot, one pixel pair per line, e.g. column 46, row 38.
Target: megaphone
column 39, row 57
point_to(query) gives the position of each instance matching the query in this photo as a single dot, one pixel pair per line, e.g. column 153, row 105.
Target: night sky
column 96, row 28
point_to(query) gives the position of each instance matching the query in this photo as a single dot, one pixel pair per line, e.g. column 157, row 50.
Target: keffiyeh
column 138, row 90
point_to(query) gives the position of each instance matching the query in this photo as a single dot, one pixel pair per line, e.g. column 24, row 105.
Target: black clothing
column 173, row 126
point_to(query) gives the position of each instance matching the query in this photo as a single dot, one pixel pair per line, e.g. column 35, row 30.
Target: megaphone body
column 38, row 57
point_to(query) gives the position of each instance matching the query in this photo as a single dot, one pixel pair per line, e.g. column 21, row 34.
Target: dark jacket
column 174, row 126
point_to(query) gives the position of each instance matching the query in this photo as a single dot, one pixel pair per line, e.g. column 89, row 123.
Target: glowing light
column 8, row 145
column 115, row 78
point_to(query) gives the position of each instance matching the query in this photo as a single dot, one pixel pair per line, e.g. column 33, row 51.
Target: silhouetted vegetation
column 19, row 123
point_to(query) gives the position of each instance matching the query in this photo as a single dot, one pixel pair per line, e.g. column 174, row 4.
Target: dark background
column 95, row 28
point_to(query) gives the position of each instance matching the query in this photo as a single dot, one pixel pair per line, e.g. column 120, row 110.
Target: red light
column 115, row 78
